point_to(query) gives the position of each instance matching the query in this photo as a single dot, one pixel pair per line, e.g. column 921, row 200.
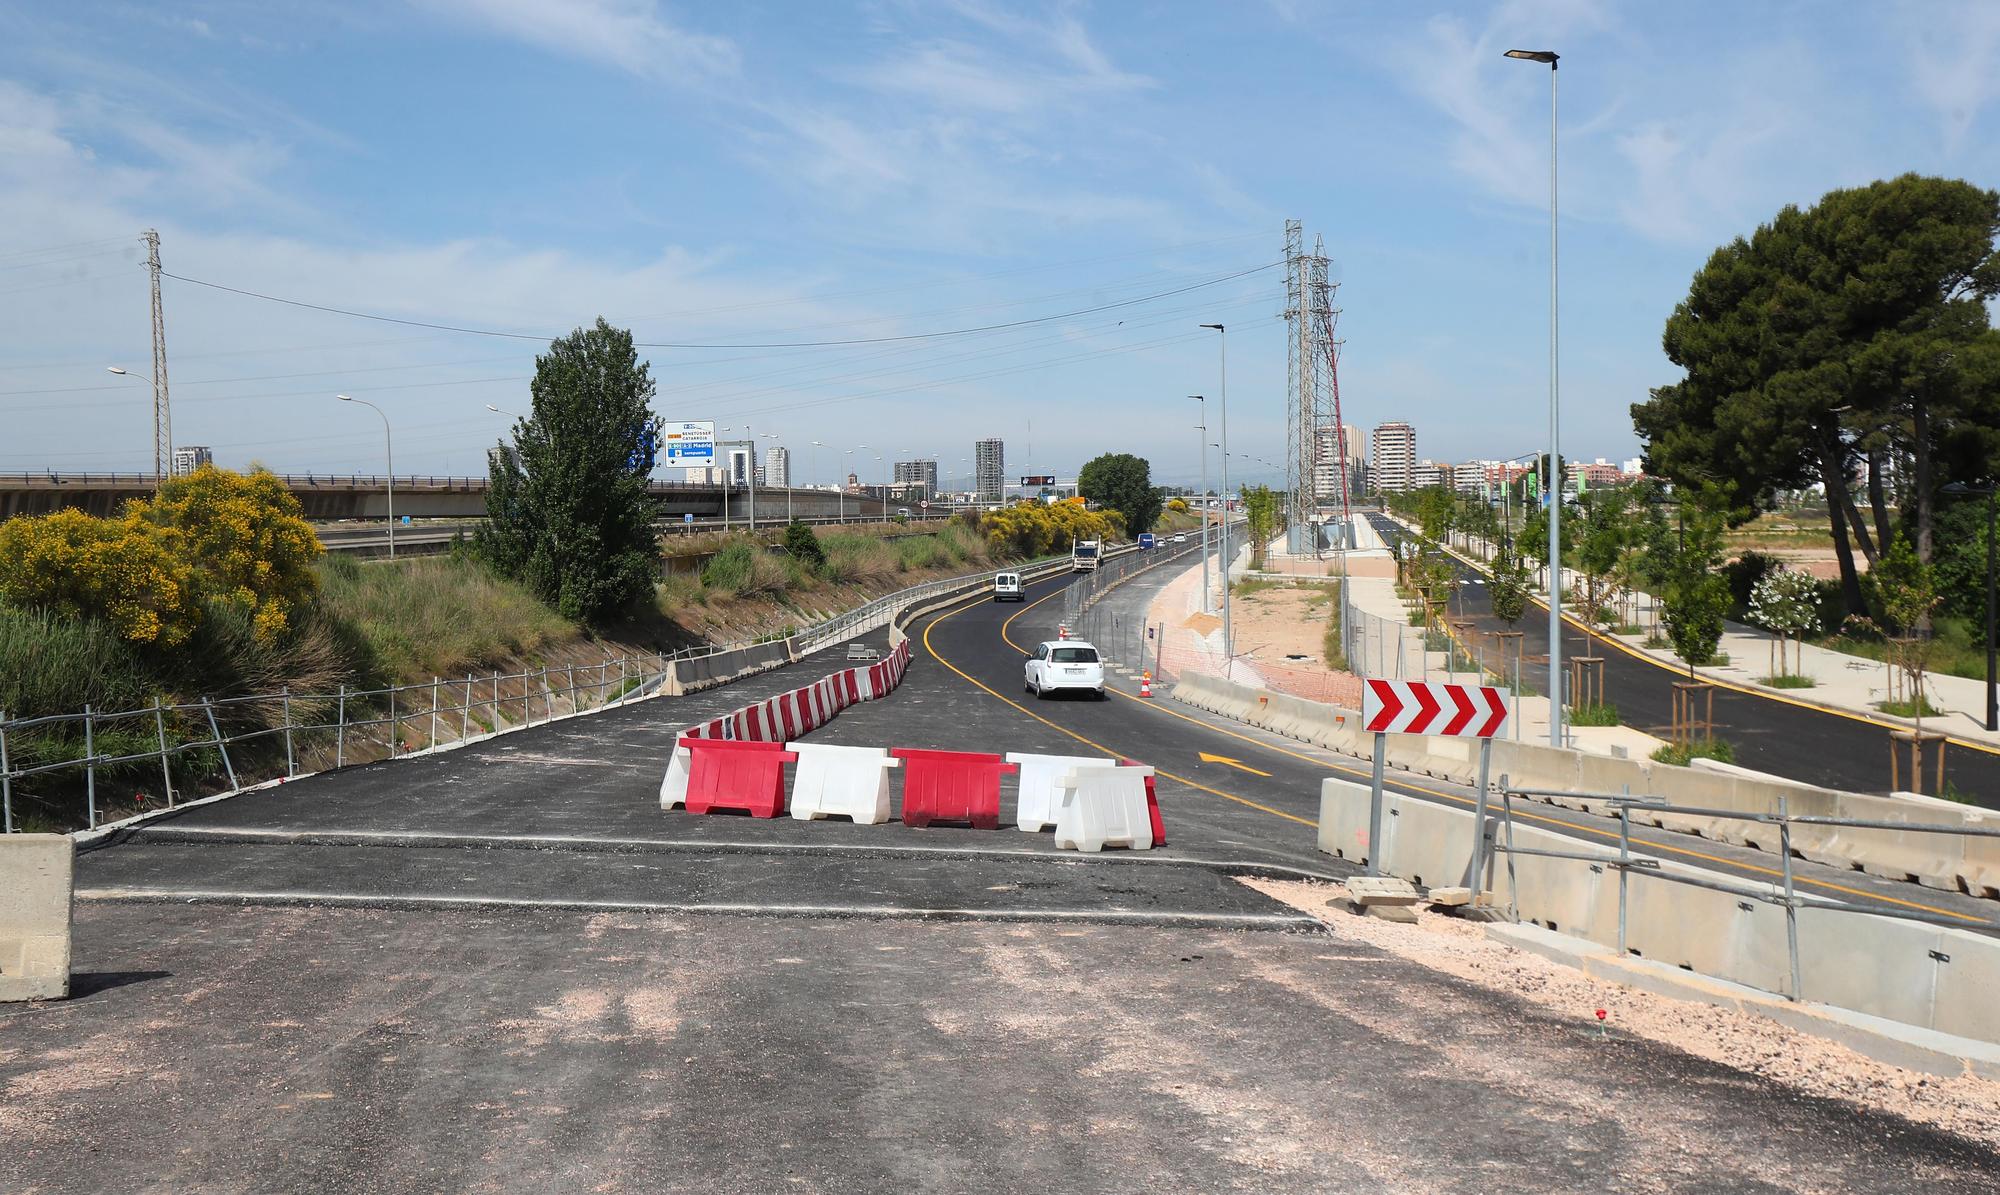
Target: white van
column 1006, row 587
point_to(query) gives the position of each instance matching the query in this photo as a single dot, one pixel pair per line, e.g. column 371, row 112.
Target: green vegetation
column 1683, row 754
column 1787, row 680
column 1263, row 519
column 1601, row 714
column 1508, row 591
column 1909, row 707
column 1330, row 647
column 567, row 510
column 1832, row 344
column 1122, row 482
column 803, row 545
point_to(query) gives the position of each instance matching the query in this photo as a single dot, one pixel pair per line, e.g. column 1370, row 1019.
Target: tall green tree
column 1124, row 483
column 1833, row 343
column 1260, row 516
column 567, row 511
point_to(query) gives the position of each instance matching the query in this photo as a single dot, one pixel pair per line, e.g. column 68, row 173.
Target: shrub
column 731, row 567
column 246, row 537
column 1743, row 575
column 433, row 616
column 803, row 545
column 79, row 567
column 53, row 664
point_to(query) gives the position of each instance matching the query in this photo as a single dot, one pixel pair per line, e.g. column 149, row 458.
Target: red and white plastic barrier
column 1042, row 785
column 787, row 716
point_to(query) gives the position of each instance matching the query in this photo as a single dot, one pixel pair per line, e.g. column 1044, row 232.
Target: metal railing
column 186, row 729
column 1121, row 639
column 1784, row 894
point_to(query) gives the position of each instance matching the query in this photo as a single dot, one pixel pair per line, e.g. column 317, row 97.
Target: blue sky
column 785, row 171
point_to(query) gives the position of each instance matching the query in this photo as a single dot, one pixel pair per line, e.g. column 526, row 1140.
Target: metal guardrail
column 1786, row 895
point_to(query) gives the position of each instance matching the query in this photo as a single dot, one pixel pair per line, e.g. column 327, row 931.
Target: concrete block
column 1380, row 890
column 1450, row 898
column 1933, row 860
column 37, row 879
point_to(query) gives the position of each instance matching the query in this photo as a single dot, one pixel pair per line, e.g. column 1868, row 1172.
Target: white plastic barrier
column 1041, row 785
column 1104, row 807
column 846, row 781
column 674, row 788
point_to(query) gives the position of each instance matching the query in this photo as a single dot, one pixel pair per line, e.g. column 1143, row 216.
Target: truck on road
column 1083, row 557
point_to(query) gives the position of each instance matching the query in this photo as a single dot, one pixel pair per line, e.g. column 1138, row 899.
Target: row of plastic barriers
column 1091, row 802
column 808, row 707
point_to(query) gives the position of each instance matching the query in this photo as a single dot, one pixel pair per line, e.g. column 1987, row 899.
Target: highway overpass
column 327, row 497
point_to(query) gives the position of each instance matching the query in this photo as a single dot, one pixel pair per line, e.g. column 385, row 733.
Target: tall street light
column 773, row 436
column 1554, row 491
column 1207, row 606
column 389, row 456
column 163, row 429
column 1228, row 628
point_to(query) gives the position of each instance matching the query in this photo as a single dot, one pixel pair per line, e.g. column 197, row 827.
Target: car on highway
column 1006, row 587
column 1180, row 539
column 902, row 512
column 1065, row 665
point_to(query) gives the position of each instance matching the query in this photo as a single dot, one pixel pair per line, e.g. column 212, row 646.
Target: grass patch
column 1330, row 648
column 1683, row 754
column 1252, row 586
column 1787, row 680
column 1919, row 707
column 1954, row 651
column 1658, row 642
column 1599, row 714
column 434, row 615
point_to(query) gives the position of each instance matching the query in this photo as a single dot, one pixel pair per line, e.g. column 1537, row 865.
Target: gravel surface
column 1966, row 1106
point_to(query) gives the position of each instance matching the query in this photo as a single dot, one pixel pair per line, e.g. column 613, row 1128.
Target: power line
column 796, row 344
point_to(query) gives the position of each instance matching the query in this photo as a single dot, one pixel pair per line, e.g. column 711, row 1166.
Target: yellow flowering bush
column 1031, row 529
column 77, row 566
column 246, row 538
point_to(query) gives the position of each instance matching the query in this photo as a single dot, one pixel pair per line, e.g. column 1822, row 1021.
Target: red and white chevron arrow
column 1424, row 707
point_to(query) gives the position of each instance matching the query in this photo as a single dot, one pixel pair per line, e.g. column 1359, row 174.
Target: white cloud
column 632, row 35
column 1954, row 60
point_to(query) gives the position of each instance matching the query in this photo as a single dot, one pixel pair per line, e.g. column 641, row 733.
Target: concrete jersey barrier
column 35, row 900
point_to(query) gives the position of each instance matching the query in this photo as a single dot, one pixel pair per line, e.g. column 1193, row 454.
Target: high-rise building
column 1394, row 459
column 740, row 460
column 1470, row 478
column 190, row 457
column 777, row 467
column 919, row 473
column 1426, row 475
column 989, row 462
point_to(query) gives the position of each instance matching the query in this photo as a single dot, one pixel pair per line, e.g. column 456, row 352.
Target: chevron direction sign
column 1424, row 707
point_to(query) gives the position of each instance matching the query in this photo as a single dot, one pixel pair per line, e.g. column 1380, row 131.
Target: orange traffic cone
column 1062, row 630
column 1146, row 684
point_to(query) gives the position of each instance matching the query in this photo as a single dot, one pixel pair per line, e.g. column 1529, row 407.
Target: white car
column 1065, row 664
column 1180, row 539
column 1006, row 587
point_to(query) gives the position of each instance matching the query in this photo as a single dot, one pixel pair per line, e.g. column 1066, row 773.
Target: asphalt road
column 1768, row 733
column 1265, row 803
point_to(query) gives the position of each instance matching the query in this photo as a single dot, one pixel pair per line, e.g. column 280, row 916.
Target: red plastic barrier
column 1152, row 806
column 736, row 775
column 952, row 786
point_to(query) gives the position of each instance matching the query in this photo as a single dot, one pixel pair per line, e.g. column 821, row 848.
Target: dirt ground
column 1274, row 623
column 1966, row 1106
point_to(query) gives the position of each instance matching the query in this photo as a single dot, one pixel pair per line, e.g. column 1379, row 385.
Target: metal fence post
column 291, row 768
column 340, row 730
column 221, row 746
column 1791, row 903
column 548, row 697
column 90, row 764
column 434, row 713
column 496, row 703
column 6, row 779
column 465, row 712
column 166, row 771
column 1624, row 865
column 1513, row 883
column 395, row 730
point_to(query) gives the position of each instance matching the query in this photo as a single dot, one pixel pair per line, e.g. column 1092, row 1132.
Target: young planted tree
column 1688, row 560
column 567, row 511
column 1260, row 514
column 1603, row 533
column 1508, row 591
column 1786, row 602
column 1907, row 589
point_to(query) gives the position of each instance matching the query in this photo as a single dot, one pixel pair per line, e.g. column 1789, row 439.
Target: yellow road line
column 1468, row 802
column 969, row 679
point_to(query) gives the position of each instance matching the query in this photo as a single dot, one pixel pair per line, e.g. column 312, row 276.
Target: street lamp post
column 1202, row 503
column 1228, row 628
column 163, row 429
column 389, row 458
column 773, row 436
column 1554, row 491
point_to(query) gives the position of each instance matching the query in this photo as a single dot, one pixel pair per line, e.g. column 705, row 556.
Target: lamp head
column 1544, row 56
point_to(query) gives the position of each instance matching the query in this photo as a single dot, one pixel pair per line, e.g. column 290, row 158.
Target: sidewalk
column 1842, row 683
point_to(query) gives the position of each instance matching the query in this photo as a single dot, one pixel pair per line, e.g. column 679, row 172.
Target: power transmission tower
column 1312, row 393
column 163, row 423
